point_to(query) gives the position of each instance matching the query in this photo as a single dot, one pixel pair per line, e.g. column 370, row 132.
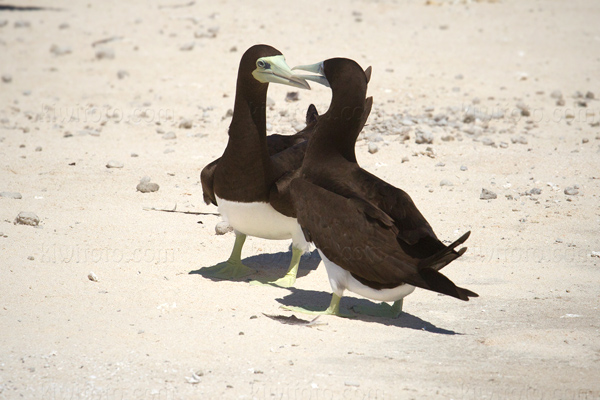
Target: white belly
column 340, row 279
column 261, row 220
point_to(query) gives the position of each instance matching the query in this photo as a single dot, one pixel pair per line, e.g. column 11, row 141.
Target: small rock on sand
column 186, row 123
column 463, row 168
column 27, row 218
column 446, row 182
column 92, row 277
column 519, row 139
column 373, row 148
column 11, row 195
column 60, row 50
column 423, row 137
column 292, row 96
column 114, row 164
column 6, row 78
column 487, row 194
column 145, row 186
column 169, row 136
column 571, row 191
column 222, row 228
column 105, row 53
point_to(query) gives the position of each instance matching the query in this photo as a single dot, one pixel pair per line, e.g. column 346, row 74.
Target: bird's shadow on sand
column 271, row 266
column 312, row 299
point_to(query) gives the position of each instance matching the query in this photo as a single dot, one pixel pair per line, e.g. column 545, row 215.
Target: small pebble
column 292, row 96
column 186, row 123
column 534, row 191
column 64, row 25
column 11, row 195
column 571, row 191
column 145, row 186
column 446, row 182
column 121, row 74
column 38, row 148
column 169, row 136
column 31, row 258
column 228, row 114
column 524, row 109
column 560, row 102
column 114, row 164
column 503, row 145
column 22, row 24
column 487, row 194
column 423, row 137
column 585, row 140
column 222, row 228
column 27, row 218
column 188, row 46
column 405, row 159
column 60, row 50
column 463, row 168
column 590, row 95
column 105, row 53
column 519, row 139
column 556, row 94
column 373, row 148
column 92, row 277
column 6, row 78
column 486, row 141
column 134, row 155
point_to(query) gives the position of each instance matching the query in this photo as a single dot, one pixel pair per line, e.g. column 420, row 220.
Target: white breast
column 261, row 220
column 340, row 279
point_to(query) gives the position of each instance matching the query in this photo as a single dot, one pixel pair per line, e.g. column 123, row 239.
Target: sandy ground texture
column 469, row 95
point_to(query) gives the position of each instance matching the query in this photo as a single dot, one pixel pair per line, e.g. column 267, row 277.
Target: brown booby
column 371, row 237
column 243, row 182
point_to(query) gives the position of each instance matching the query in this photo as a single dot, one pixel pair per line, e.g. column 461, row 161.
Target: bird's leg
column 233, row 267
column 381, row 310
column 333, row 309
column 289, row 278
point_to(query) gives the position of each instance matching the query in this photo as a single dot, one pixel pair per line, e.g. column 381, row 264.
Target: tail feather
column 447, row 255
column 441, row 284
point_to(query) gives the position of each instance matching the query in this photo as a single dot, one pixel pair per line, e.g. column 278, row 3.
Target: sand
column 146, row 86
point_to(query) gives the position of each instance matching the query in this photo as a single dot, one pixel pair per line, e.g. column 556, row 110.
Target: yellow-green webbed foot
column 383, row 310
column 289, row 279
column 233, row 268
column 333, row 309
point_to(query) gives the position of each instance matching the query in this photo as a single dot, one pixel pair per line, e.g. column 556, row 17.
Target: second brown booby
column 243, row 183
column 371, row 237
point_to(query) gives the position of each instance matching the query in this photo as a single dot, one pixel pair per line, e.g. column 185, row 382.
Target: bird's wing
column 353, row 233
column 360, row 237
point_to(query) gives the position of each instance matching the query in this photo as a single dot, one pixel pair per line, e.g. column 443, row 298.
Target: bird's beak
column 316, row 69
column 276, row 70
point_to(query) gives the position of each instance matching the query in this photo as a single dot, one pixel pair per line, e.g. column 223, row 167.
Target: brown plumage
column 359, row 222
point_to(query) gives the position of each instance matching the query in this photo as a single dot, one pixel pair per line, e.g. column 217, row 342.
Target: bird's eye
column 261, row 64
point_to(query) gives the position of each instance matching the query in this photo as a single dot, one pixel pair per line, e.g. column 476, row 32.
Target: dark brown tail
column 429, row 271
